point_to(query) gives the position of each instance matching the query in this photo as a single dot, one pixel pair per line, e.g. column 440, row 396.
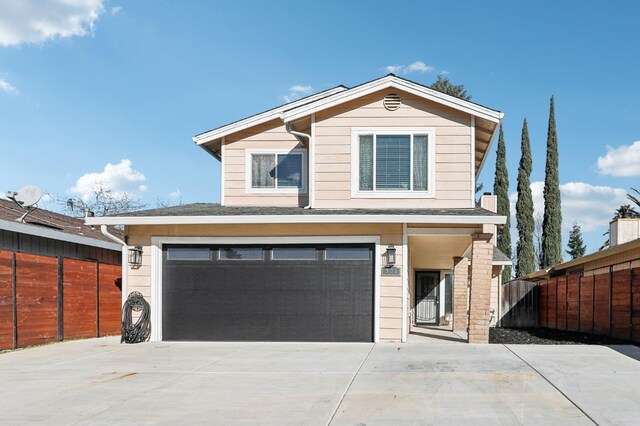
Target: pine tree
column 501, row 190
column 576, row 245
column 552, row 221
column 525, row 252
column 442, row 84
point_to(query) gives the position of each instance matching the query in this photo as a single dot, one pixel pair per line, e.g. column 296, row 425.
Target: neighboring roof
column 215, row 213
column 262, row 117
column 499, row 258
column 56, row 226
column 620, row 248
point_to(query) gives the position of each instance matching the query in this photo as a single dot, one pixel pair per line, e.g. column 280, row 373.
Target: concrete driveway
column 99, row 381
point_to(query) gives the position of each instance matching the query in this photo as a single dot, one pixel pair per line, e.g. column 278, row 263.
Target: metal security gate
column 427, row 297
column 268, row 292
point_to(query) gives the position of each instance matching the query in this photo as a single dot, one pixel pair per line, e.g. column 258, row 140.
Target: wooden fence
column 45, row 299
column 519, row 304
column 605, row 303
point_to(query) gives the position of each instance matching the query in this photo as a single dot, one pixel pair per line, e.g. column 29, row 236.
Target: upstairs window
column 276, row 171
column 394, row 162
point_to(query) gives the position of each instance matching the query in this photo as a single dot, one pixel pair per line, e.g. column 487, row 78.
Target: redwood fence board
column 561, row 300
column 56, row 298
column 606, row 303
column 586, row 304
column 6, row 300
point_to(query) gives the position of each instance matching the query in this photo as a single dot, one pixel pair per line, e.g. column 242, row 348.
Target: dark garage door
column 268, row 293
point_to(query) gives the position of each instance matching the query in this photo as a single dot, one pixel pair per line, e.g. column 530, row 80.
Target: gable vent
column 391, row 102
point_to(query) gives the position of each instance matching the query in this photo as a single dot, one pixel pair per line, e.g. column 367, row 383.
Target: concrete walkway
column 99, row 381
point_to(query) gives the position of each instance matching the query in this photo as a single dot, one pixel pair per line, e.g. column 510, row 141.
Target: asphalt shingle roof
column 10, row 211
column 207, row 209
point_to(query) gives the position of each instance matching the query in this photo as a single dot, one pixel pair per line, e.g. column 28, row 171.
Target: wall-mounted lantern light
column 135, row 256
column 391, row 256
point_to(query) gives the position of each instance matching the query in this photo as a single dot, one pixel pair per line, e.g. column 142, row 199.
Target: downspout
column 311, row 150
column 106, row 233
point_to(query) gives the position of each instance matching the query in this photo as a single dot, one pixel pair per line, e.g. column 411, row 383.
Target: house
column 344, row 216
column 59, row 278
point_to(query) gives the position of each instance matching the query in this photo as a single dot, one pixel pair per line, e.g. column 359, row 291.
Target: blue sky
column 135, row 81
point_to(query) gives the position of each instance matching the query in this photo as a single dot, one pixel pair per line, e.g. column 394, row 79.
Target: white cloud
column 175, row 195
column 621, row 161
column 590, row 206
column 417, row 66
column 36, row 21
column 3, row 195
column 116, row 9
column 120, row 178
column 297, row 91
column 6, row 87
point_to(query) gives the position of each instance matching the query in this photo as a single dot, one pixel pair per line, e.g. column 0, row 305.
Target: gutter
column 298, row 218
column 310, row 157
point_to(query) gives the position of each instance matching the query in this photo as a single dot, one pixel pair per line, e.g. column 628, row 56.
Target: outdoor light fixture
column 135, row 256
column 391, row 256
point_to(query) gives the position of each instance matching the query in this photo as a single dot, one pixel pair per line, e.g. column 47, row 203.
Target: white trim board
column 156, row 267
column 24, row 228
column 391, row 82
column 255, row 120
column 302, row 218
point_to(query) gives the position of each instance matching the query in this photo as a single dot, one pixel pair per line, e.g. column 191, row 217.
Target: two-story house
column 348, row 215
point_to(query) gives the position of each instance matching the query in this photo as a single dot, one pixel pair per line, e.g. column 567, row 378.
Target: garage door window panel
column 241, row 253
column 294, row 253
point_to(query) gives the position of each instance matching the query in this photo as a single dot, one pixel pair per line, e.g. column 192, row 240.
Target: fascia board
column 53, row 234
column 285, row 219
column 400, row 84
column 260, row 118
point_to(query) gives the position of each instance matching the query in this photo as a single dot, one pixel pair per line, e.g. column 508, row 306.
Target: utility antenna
column 26, row 197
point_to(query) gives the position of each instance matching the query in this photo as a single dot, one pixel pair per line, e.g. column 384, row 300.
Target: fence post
column 566, row 302
column 14, row 296
column 60, row 298
column 630, row 302
column 593, row 304
column 97, row 299
column 610, row 298
column 579, row 299
column 556, row 324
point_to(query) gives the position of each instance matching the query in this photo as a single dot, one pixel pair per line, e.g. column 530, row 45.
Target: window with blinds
column 393, row 162
column 277, row 171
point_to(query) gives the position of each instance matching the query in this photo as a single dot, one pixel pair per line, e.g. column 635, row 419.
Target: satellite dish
column 26, row 197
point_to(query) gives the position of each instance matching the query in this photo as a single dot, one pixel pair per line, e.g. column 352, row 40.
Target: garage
column 268, row 292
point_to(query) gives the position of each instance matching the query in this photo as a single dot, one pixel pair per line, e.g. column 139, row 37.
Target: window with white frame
column 394, row 161
column 276, row 170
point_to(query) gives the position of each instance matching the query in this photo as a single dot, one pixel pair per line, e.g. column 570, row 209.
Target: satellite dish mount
column 26, row 197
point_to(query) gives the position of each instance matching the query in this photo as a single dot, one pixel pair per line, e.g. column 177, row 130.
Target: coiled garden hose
column 141, row 330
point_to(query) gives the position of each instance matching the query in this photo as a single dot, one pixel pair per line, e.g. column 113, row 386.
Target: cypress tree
column 525, row 252
column 552, row 221
column 501, row 190
column 576, row 244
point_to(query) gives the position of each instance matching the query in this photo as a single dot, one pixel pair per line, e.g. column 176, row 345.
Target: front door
column 427, row 297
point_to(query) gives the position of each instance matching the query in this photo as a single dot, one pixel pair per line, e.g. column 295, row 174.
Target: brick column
column 460, row 280
column 480, row 294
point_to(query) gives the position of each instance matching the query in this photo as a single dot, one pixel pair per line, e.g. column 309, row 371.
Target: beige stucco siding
column 271, row 135
column 390, row 297
column 333, row 132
